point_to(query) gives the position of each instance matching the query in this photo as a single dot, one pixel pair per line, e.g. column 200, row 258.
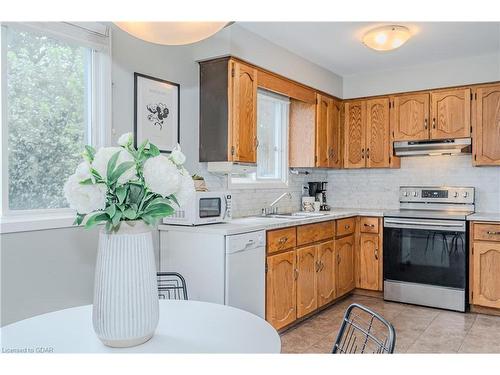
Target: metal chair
column 364, row 331
column 171, row 285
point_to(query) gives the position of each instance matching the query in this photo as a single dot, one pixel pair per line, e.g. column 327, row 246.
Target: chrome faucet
column 274, row 210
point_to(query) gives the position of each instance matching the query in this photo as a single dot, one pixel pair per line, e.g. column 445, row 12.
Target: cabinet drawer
column 368, row 225
column 345, row 226
column 281, row 239
column 487, row 232
column 314, row 232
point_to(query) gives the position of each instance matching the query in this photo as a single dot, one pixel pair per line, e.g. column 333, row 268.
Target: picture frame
column 156, row 112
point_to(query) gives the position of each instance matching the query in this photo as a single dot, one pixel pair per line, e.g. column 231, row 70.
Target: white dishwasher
column 245, row 284
column 218, row 268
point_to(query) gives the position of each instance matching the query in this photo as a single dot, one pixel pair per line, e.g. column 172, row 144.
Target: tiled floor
column 418, row 329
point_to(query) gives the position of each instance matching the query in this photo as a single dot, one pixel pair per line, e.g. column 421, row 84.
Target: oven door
column 425, row 251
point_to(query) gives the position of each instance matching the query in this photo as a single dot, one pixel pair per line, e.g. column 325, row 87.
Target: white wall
column 455, row 72
column 54, row 269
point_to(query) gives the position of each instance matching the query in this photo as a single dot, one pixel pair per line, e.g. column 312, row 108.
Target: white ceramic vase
column 126, row 307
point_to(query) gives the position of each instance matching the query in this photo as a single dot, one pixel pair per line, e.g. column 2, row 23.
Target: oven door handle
column 430, row 225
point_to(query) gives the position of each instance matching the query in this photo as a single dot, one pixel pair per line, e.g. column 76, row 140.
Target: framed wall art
column 156, row 111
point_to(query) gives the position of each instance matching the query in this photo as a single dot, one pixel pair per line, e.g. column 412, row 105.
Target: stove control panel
column 437, row 194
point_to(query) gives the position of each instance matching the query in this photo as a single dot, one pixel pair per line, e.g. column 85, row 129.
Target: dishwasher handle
column 239, row 243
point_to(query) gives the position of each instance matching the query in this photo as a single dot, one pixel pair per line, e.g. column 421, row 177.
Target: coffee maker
column 318, row 191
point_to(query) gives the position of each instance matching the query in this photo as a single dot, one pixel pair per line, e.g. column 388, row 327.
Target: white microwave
column 206, row 207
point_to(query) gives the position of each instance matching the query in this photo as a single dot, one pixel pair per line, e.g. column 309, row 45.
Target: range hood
column 434, row 147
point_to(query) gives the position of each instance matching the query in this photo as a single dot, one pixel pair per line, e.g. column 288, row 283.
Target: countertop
column 255, row 223
column 484, row 216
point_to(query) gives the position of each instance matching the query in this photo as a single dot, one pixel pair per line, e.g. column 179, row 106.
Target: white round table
column 184, row 327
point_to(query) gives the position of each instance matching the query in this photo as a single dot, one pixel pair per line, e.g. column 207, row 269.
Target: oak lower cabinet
column 369, row 262
column 486, row 125
column 344, row 249
column 368, row 257
column 485, row 265
column 302, row 279
column 315, row 277
column 326, row 273
column 281, row 291
column 307, row 300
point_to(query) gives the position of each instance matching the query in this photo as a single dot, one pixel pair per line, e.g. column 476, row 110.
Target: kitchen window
column 272, row 150
column 55, row 100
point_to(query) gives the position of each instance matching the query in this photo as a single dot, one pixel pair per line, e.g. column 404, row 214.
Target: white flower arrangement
column 123, row 183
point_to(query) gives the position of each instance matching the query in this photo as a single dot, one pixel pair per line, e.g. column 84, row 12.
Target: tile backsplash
column 372, row 188
column 379, row 188
column 249, row 202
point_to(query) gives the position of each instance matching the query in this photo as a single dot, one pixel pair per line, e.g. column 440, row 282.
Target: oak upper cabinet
column 344, row 248
column 328, row 132
column 486, row 280
column 367, row 141
column 281, row 292
column 377, row 133
column 244, row 113
column 334, row 134
column 323, row 113
column 306, row 280
column 369, row 261
column 326, row 273
column 410, row 117
column 486, row 125
column 228, row 111
column 315, row 133
column 354, row 134
column 450, row 114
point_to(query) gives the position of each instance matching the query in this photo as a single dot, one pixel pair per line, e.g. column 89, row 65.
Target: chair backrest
column 364, row 331
column 171, row 285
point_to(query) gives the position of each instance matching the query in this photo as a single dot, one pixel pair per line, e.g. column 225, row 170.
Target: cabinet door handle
column 376, row 254
column 369, row 225
column 434, row 123
column 425, row 124
column 317, row 266
column 347, row 226
column 295, row 273
column 283, row 240
column 493, row 233
column 322, row 266
column 338, row 259
column 362, row 153
column 368, row 153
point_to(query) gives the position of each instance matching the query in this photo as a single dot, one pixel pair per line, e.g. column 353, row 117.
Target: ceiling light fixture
column 386, row 38
column 172, row 33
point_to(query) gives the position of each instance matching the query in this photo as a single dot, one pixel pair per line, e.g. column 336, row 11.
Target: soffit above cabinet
column 337, row 46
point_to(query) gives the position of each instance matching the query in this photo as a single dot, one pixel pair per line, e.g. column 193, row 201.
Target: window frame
column 275, row 183
column 86, row 35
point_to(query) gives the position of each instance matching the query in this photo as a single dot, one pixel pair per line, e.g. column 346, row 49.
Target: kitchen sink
column 297, row 215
